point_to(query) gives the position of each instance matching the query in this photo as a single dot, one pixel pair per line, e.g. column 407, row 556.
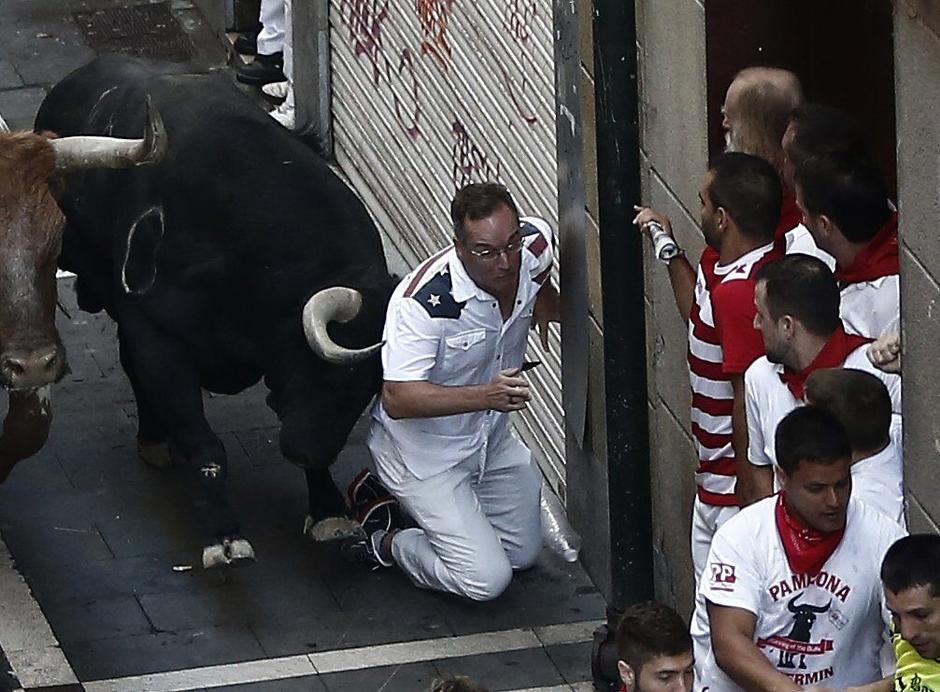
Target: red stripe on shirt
column 422, row 270
column 710, row 440
column 711, row 405
column 538, row 245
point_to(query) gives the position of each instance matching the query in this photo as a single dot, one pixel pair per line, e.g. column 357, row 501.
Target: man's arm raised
column 681, row 273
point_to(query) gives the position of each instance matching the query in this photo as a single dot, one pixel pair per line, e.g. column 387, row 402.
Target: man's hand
column 885, row 353
column 507, row 392
column 547, row 309
column 645, row 215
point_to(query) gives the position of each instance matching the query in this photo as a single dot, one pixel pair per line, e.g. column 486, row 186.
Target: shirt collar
column 462, row 286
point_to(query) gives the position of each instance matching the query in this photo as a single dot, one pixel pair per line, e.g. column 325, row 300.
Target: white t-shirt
column 878, row 481
column 767, row 401
column 443, row 328
column 828, row 629
column 799, row 241
column 872, row 308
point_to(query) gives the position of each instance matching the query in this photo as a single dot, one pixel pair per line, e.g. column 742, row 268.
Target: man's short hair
column 803, row 287
column 456, row 683
column 911, row 562
column 767, row 97
column 849, row 189
column 858, row 399
column 819, row 129
column 749, row 188
column 647, row 630
column 810, row 434
column 477, row 201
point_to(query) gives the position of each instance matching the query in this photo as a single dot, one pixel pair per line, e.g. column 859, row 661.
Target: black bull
column 206, row 261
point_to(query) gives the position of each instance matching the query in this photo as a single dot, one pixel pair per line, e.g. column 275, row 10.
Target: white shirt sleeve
column 411, row 343
column 731, row 577
column 755, row 433
column 543, row 259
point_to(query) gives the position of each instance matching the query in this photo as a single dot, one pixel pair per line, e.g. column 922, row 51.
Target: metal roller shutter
column 428, row 95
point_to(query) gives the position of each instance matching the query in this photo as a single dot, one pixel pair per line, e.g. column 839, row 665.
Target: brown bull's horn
column 336, row 304
column 86, row 151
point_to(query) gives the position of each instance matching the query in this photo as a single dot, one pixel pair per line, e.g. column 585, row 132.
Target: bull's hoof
column 156, row 454
column 332, row 528
column 230, row 552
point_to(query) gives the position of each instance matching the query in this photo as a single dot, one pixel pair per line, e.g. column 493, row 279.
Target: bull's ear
column 139, row 270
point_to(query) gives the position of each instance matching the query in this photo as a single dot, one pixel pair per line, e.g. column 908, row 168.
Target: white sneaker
column 284, row 114
column 276, row 90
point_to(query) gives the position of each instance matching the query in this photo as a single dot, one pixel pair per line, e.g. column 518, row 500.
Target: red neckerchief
column 790, row 218
column 877, row 259
column 806, row 548
column 832, row 355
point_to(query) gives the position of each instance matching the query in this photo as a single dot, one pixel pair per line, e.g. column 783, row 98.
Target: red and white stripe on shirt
column 712, row 393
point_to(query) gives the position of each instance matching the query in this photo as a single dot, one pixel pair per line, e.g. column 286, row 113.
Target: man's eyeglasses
column 490, row 254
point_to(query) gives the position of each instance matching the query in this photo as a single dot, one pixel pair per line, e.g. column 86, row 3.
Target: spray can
column 664, row 245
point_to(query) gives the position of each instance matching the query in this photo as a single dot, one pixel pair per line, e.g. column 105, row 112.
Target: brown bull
column 32, row 356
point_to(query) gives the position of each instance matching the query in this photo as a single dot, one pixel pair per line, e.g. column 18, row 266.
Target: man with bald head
column 756, row 113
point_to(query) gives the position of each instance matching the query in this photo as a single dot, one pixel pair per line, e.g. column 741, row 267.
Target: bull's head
column 806, row 607
column 31, row 352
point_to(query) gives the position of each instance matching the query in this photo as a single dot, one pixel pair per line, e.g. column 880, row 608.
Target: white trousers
column 271, row 36
column 474, row 530
column 706, row 520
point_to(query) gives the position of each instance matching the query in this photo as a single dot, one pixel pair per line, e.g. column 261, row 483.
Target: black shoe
column 246, row 44
column 366, row 549
column 264, row 70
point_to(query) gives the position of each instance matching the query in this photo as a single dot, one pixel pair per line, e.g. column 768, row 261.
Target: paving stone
column 551, row 592
column 122, row 577
column 286, row 604
column 505, row 671
column 39, row 545
column 130, row 536
column 118, row 657
column 9, row 79
column 102, row 618
column 40, row 474
column 18, row 106
column 311, row 683
column 407, row 678
column 573, row 661
column 262, row 446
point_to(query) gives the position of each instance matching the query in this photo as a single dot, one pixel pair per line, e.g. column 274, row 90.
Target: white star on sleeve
column 434, row 300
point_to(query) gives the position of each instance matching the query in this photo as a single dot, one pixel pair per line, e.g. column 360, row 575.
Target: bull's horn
column 336, row 304
column 87, row 151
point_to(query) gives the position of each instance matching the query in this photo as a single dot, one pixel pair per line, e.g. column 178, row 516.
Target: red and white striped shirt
column 722, row 343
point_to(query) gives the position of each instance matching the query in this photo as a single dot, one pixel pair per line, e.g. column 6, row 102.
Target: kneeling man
column 455, row 339
column 791, row 594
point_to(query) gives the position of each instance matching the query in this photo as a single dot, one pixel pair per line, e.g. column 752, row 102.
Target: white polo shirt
column 442, row 328
column 826, row 629
column 799, row 241
column 872, row 308
column 878, row 481
column 768, row 400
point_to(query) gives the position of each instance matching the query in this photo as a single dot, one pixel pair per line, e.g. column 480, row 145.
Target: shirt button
column 494, row 305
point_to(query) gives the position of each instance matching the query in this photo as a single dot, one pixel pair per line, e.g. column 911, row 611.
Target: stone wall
column 917, row 82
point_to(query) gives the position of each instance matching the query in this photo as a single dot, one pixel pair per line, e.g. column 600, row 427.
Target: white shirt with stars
column 442, row 328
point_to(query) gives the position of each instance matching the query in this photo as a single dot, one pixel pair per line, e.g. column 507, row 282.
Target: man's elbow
column 723, row 654
column 392, row 403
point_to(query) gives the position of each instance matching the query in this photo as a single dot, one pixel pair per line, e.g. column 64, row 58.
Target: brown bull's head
column 31, row 352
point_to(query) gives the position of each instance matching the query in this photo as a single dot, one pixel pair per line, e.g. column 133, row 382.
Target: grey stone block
column 103, row 618
column 506, row 671
column 573, row 661
column 18, row 106
column 406, row 678
column 9, row 79
column 150, row 653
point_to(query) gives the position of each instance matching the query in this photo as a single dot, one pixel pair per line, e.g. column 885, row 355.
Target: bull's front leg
column 167, row 386
column 25, row 427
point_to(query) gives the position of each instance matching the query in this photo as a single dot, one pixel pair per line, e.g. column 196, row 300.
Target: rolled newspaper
column 556, row 531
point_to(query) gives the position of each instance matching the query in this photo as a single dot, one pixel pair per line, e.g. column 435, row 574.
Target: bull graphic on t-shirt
column 803, row 618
